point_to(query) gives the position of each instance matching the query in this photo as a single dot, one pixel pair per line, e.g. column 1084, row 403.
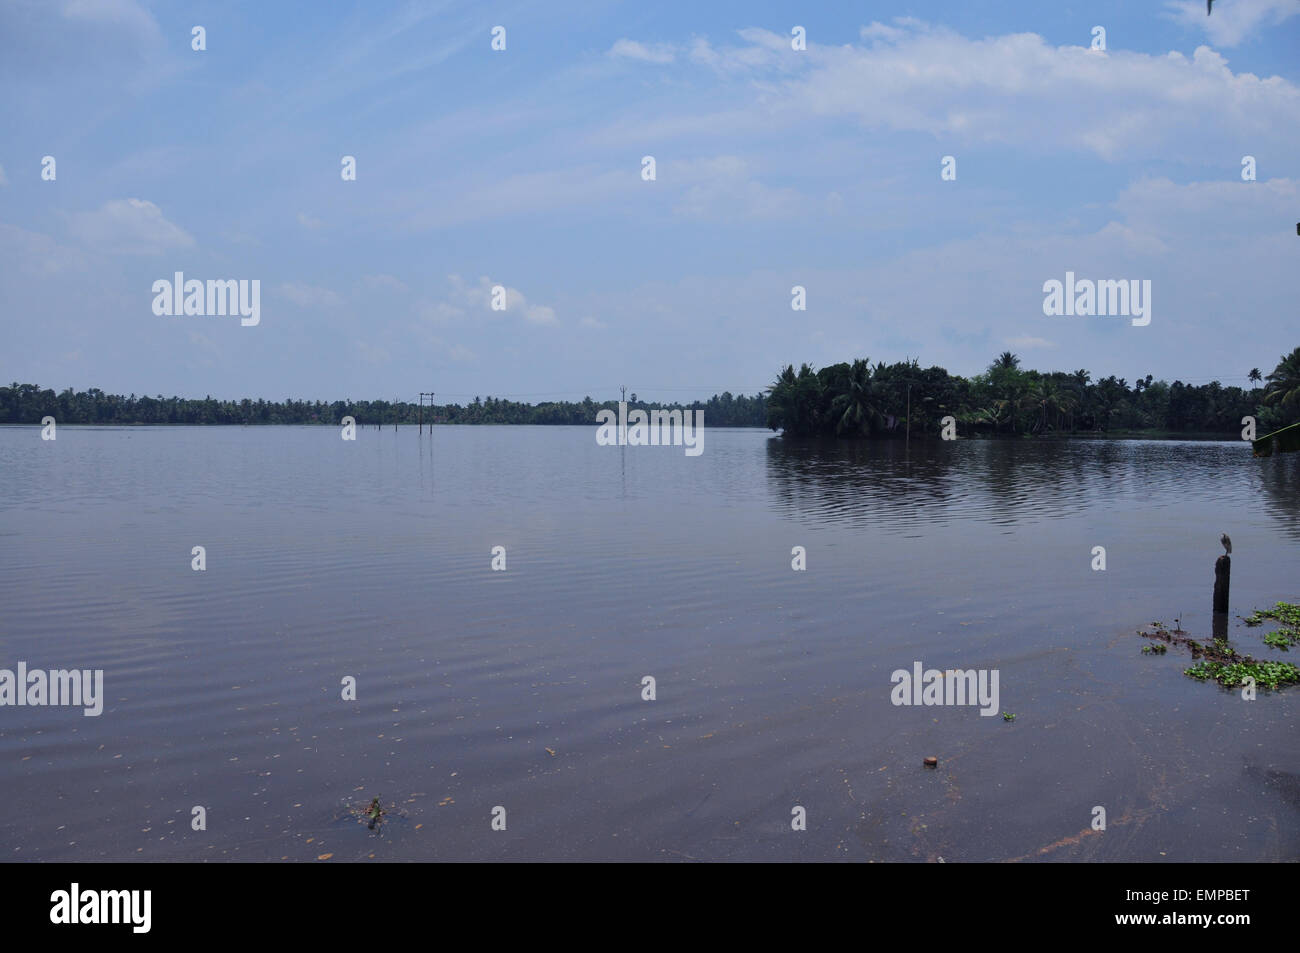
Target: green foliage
column 27, row 404
column 1285, row 613
column 1270, row 675
column 1283, row 389
column 860, row 400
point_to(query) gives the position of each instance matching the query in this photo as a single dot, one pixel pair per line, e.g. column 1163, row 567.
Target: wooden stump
column 1222, row 578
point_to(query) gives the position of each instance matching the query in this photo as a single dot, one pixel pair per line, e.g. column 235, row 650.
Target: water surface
column 522, row 689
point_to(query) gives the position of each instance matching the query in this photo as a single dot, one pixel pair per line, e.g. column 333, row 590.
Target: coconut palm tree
column 793, row 400
column 1283, row 390
column 855, row 410
column 1006, row 361
column 1254, row 376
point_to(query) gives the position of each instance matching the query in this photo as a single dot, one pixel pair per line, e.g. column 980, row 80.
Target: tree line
column 28, row 403
column 857, row 399
column 848, row 399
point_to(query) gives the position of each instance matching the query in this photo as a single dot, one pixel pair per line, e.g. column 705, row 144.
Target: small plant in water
column 1007, row 716
column 1282, row 640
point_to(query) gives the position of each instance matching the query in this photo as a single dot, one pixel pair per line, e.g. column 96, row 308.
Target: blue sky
column 522, row 168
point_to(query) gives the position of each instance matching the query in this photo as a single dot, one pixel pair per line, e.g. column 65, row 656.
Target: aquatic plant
column 1284, row 612
column 1270, row 675
column 1282, row 640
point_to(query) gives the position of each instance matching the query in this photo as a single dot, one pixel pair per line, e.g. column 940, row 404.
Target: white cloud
column 652, row 53
column 386, row 282
column 522, row 194
column 721, row 187
column 372, row 354
column 127, row 14
column 129, row 226
column 539, row 314
column 1018, row 90
column 309, row 296
column 1026, row 341
column 465, row 301
column 440, row 312
column 1010, row 90
column 36, row 254
column 1232, row 21
column 306, row 221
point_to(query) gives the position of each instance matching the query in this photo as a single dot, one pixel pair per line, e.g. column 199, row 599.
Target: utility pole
column 624, row 389
column 907, row 442
column 424, row 394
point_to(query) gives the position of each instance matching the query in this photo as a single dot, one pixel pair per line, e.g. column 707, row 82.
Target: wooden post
column 1222, row 577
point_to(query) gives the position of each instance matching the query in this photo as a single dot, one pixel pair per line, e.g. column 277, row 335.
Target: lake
column 522, row 689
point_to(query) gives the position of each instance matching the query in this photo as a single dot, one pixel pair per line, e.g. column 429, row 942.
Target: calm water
column 522, row 689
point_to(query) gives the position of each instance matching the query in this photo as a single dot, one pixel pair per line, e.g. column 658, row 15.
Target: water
column 522, row 689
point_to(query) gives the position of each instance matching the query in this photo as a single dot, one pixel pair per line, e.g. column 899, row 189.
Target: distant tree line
column 856, row 399
column 28, row 403
column 849, row 399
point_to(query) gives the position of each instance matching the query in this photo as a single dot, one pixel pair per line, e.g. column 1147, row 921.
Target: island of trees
column 858, row 399
column 854, row 399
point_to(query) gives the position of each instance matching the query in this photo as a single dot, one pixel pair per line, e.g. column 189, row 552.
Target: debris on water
column 375, row 815
column 932, row 762
column 1219, row 661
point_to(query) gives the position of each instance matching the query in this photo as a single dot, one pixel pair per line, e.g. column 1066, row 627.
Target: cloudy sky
column 523, row 168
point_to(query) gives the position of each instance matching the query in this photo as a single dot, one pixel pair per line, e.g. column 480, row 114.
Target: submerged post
column 1222, row 578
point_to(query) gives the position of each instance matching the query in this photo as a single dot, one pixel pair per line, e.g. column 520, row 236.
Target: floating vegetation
column 1284, row 612
column 1271, row 675
column 1219, row 661
column 1007, row 716
column 1282, row 640
column 1288, row 615
column 1219, row 650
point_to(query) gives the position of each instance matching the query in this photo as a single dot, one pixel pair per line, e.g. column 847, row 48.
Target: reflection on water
column 523, row 688
column 905, row 488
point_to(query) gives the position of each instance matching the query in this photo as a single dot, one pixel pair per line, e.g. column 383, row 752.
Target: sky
column 522, row 168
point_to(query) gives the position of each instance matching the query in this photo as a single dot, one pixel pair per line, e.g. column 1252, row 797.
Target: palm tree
column 1254, row 376
column 1006, row 361
column 792, row 401
column 1283, row 390
column 855, row 410
column 1044, row 397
